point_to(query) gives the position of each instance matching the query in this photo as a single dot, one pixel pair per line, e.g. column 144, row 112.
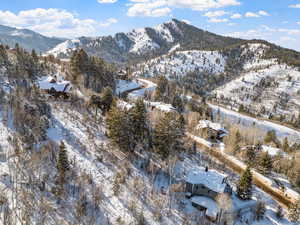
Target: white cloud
column 297, row 6
column 298, row 23
column 107, row 1
column 216, row 20
column 263, row 13
column 145, row 8
column 215, row 14
column 281, row 36
column 257, row 14
column 108, row 22
column 149, row 9
column 51, row 22
column 251, row 14
column 236, row 16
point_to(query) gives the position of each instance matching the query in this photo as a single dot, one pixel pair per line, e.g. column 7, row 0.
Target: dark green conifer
column 244, row 187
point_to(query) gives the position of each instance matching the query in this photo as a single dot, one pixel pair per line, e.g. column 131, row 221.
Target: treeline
column 25, row 66
column 129, row 128
column 91, row 72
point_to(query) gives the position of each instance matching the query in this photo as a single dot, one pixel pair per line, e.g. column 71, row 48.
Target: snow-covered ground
column 266, row 87
column 181, row 62
column 264, row 125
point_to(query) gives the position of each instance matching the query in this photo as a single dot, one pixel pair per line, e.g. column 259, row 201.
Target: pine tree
column 119, row 129
column 250, row 156
column 244, row 188
column 107, row 99
column 138, row 117
column 161, row 88
column 34, row 56
column 294, row 212
column 62, row 163
column 168, row 133
column 265, row 163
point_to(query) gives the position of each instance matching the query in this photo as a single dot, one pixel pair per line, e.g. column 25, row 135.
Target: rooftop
column 207, row 123
column 48, row 82
column 212, row 179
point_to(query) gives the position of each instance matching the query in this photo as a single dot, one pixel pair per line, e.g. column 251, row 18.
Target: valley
column 164, row 125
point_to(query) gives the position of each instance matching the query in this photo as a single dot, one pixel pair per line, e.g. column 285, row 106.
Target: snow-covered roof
column 162, row 106
column 211, row 206
column 207, row 123
column 124, row 85
column 212, row 179
column 271, row 150
column 48, row 82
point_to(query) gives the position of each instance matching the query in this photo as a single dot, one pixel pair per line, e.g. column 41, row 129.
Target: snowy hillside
column 271, row 90
column 180, row 63
column 64, row 48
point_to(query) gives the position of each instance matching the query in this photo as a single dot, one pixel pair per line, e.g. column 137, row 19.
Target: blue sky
column 277, row 21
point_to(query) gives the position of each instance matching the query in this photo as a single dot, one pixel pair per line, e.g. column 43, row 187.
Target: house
column 205, row 182
column 54, row 86
column 210, row 193
column 212, row 131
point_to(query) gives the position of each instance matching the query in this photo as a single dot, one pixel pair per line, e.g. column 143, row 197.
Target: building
column 205, row 182
column 54, row 86
column 211, row 131
column 210, row 193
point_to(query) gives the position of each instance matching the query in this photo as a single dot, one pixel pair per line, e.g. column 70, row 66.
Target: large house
column 205, row 182
column 209, row 191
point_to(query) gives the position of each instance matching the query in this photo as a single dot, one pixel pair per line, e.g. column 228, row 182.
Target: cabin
column 212, row 131
column 55, row 87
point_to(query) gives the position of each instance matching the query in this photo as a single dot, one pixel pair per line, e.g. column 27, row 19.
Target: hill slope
column 27, row 39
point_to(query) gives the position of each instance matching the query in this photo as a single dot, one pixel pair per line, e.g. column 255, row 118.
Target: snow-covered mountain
column 64, row 48
column 27, row 39
column 145, row 43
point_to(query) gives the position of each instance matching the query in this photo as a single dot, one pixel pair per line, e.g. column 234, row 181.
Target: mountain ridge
column 28, row 39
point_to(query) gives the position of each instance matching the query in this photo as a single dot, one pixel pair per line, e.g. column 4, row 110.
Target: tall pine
column 265, row 163
column 138, row 117
column 244, row 187
column 107, row 99
column 62, row 163
column 119, row 129
column 168, row 134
